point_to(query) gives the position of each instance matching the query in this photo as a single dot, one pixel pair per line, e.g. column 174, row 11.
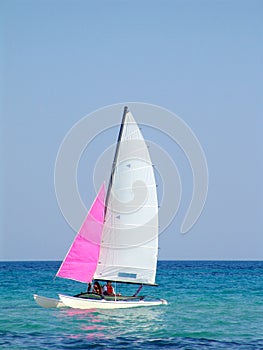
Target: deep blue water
column 212, row 305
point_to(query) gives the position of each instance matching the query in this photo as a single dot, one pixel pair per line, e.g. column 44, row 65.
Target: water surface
column 212, row 305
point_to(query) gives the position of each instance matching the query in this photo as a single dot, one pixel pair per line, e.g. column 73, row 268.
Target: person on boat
column 108, row 289
column 97, row 288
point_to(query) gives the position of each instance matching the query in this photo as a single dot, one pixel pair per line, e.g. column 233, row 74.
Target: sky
column 202, row 60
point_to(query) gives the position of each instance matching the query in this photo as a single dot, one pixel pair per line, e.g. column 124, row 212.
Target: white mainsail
column 129, row 245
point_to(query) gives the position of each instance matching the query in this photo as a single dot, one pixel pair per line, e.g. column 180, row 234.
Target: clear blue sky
column 61, row 60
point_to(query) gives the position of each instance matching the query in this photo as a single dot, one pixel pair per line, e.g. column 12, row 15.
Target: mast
column 115, row 160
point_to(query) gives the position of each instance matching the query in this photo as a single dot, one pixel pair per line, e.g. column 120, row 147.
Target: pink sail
column 82, row 258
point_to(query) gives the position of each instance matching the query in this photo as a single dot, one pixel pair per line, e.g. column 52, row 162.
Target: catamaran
column 118, row 240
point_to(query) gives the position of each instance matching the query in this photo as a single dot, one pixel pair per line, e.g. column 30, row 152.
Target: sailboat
column 118, row 240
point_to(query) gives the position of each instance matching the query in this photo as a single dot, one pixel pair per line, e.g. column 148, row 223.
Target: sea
column 211, row 305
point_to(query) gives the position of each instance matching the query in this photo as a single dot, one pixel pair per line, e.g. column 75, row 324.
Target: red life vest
column 109, row 290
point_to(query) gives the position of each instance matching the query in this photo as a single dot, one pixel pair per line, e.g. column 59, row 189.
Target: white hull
column 79, row 303
column 48, row 302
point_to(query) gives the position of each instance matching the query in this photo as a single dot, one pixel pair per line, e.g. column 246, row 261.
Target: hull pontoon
column 85, row 303
column 48, row 302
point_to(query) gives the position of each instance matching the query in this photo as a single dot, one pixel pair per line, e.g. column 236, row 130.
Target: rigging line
column 138, row 290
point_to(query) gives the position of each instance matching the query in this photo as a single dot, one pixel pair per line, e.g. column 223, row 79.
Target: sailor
column 97, row 288
column 108, row 289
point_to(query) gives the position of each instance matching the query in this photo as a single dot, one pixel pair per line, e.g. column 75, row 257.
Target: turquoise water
column 212, row 305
